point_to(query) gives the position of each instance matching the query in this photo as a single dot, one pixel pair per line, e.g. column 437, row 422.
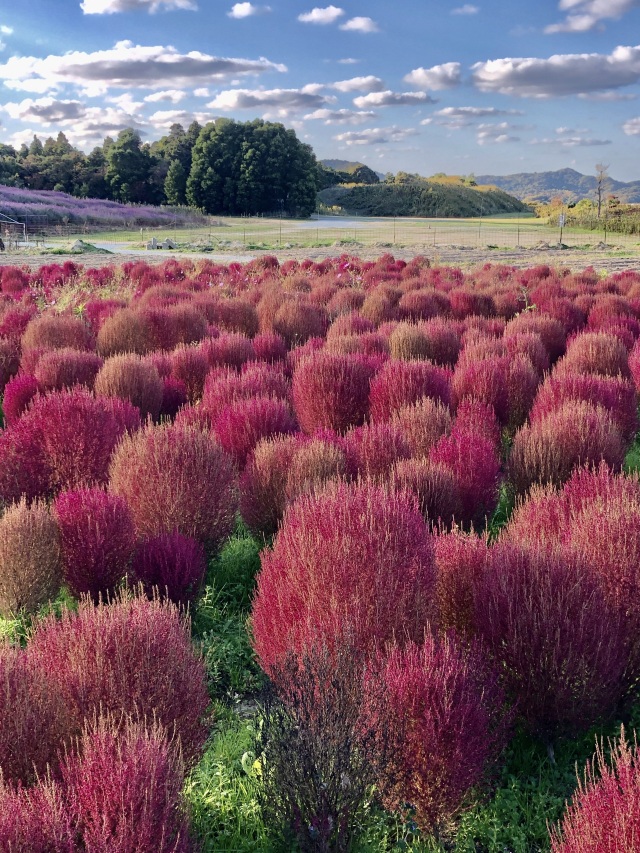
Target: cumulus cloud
column 46, row 111
column 246, row 10
column 126, row 65
column 498, row 133
column 322, row 15
column 393, row 99
column 349, row 60
column 163, row 119
column 584, row 15
column 5, row 30
column 341, row 116
column 568, row 141
column 608, row 96
column 359, row 84
column 467, row 9
column 438, row 77
column 562, row 74
column 360, row 25
column 283, row 100
column 110, row 7
column 173, row 96
column 457, row 117
column 632, row 126
column 376, row 135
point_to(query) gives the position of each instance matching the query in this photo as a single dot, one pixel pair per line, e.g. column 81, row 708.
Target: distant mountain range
column 571, row 185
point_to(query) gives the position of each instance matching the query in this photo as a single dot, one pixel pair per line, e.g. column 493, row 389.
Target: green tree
column 128, row 167
column 175, row 184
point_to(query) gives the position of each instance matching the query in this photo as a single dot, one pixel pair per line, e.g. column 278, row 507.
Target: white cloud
column 585, row 15
column 438, row 77
column 608, row 96
column 283, row 100
column 341, row 116
column 499, row 133
column 458, row 117
column 246, row 10
column 163, row 119
column 359, row 84
column 126, row 66
column 632, row 126
column 202, row 92
column 562, row 74
column 392, row 99
column 563, row 141
column 376, row 135
column 322, row 15
column 467, row 9
column 46, row 111
column 349, row 60
column 110, row 7
column 174, row 96
column 360, row 25
column 6, row 31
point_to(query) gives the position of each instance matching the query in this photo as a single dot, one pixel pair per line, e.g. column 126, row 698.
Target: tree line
column 225, row 167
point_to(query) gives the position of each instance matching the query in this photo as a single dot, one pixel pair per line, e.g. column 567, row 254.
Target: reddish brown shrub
column 596, row 352
column 9, row 361
column 57, row 331
column 315, row 462
column 123, row 789
column 422, row 304
column 268, row 346
column 240, row 425
column 550, row 330
column 235, row 315
column 263, row 484
column 174, row 397
column 18, row 393
column 30, row 565
column 354, row 557
column 120, row 658
column 423, row 424
column 485, row 381
column 126, row 331
column 473, row 416
column 176, row 478
column 460, row 557
column 349, row 324
column 331, row 391
column 35, row 820
column 63, row 368
column 296, row 321
column 402, row 383
column 575, row 434
column 529, row 344
column 228, row 350
column 443, row 712
column 131, row 378
column 604, row 813
column 408, row 341
column 190, row 366
column 98, row 539
column 522, row 384
column 561, row 648
column 435, row 487
column 373, row 449
column 443, row 341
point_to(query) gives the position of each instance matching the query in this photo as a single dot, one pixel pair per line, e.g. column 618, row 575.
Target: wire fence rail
column 354, row 232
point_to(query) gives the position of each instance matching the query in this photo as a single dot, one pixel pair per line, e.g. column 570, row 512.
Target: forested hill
column 567, row 183
column 420, row 198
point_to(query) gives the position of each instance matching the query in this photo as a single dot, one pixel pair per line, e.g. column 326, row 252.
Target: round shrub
column 485, row 381
column 30, row 565
column 263, row 484
column 120, row 658
column 176, row 478
column 269, row 347
column 331, row 391
column 547, row 451
column 402, row 383
column 64, row 368
column 35, row 819
column 373, row 449
column 126, row 331
column 460, row 557
column 296, row 321
column 98, row 538
column 172, row 564
column 442, row 722
column 190, row 366
column 18, row 393
column 240, row 425
column 354, row 558
column 132, row 378
column 56, row 331
column 596, row 352
column 9, row 361
column 408, row 341
column 174, row 397
column 314, row 463
column 423, row 424
column 434, row 486
column 228, row 350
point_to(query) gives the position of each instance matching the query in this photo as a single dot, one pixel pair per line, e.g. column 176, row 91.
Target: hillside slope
column 571, row 185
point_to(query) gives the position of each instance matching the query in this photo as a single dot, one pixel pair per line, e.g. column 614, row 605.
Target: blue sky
column 456, row 86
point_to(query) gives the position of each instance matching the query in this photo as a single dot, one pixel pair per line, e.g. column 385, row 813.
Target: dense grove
column 432, row 461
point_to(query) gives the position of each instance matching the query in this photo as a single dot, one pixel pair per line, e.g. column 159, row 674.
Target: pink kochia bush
column 331, row 391
column 354, row 558
column 35, row 820
column 63, row 441
column 240, row 425
column 64, row 368
column 604, row 813
column 131, row 378
column 403, row 383
column 121, row 658
column 98, row 538
column 172, row 564
column 176, row 478
column 18, row 393
column 442, row 711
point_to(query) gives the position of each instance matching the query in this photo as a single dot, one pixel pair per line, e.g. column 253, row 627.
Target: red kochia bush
column 123, row 789
column 604, row 813
column 176, row 478
column 575, row 434
column 190, row 366
column 64, row 440
column 373, row 449
column 30, row 565
column 35, row 820
column 230, row 350
column 56, row 331
column 460, row 557
column 561, row 647
column 485, row 381
column 9, row 361
column 435, row 487
column 269, row 347
column 596, row 352
column 263, row 484
column 98, row 539
column 402, row 383
column 354, row 557
column 126, row 331
column 18, row 393
column 297, row 321
column 63, row 368
column 442, row 711
column 422, row 424
column 122, row 658
column 131, row 378
column 240, row 425
column 172, row 563
column 331, row 391
column 32, row 718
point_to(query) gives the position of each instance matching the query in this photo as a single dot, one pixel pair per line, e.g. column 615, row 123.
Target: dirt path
column 604, row 260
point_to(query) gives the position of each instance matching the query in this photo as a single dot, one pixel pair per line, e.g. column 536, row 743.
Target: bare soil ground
column 607, row 259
